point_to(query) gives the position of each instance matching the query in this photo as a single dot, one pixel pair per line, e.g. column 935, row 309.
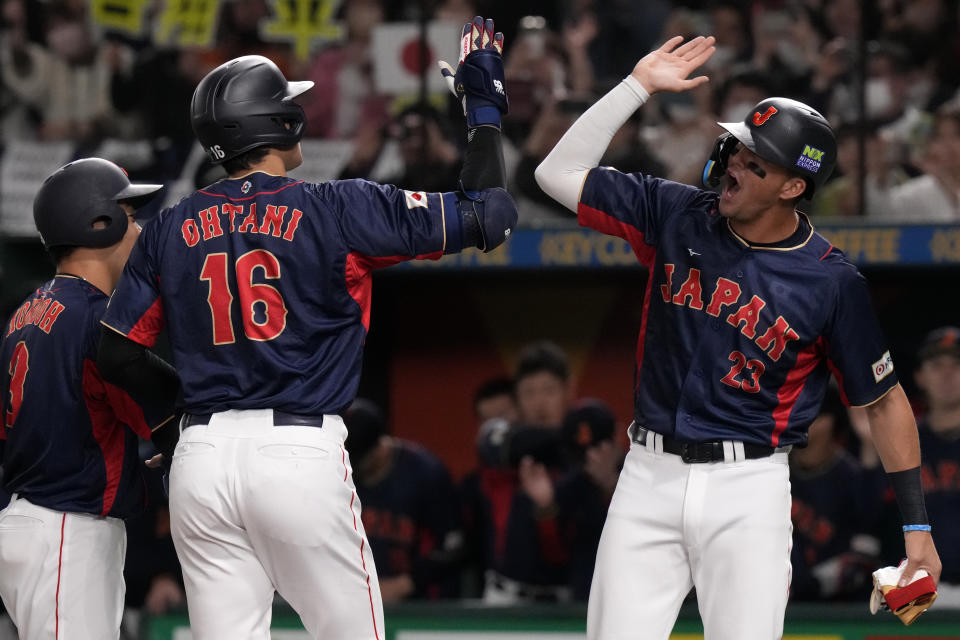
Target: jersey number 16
column 253, row 297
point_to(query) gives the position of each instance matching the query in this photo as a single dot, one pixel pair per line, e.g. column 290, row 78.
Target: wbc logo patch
column 882, row 367
column 415, row 198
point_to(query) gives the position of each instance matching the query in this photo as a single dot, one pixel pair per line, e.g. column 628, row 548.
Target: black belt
column 280, row 419
column 702, row 451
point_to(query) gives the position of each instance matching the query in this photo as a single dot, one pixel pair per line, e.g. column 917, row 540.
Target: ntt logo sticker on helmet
column 810, row 159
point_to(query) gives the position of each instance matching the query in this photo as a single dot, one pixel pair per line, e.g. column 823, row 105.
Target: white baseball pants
column 256, row 508
column 61, row 574
column 723, row 527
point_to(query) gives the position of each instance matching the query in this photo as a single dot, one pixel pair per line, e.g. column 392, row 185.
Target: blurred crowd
column 882, row 71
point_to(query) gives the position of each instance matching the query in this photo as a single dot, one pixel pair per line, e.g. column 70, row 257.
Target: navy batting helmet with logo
column 246, row 103
column 784, row 132
column 81, row 194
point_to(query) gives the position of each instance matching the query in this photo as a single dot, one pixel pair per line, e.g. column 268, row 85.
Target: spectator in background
column 543, row 385
column 511, row 499
column 155, row 84
column 18, row 118
column 584, row 494
column 429, row 155
column 624, row 27
column 548, row 126
column 890, row 76
column 744, row 87
column 785, row 42
column 494, row 406
column 687, row 128
column 456, row 11
column 834, row 65
column 938, row 376
column 730, row 25
column 421, row 139
column 627, row 152
column 345, row 102
column 841, row 195
column 935, row 196
column 832, row 512
column 68, row 81
column 409, row 509
column 535, row 71
column 495, row 398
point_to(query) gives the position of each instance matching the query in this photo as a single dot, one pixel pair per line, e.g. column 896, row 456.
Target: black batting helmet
column 784, row 132
column 84, row 192
column 246, row 103
column 365, row 426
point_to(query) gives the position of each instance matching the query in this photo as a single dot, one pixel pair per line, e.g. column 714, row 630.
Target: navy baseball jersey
column 829, row 506
column 65, row 436
column 275, row 271
column 408, row 515
column 737, row 340
column 941, row 486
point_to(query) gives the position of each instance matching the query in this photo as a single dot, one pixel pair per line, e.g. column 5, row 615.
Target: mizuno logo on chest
column 727, row 293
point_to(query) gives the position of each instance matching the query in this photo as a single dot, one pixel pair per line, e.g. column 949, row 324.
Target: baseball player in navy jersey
column 747, row 311
column 68, row 440
column 409, row 509
column 264, row 284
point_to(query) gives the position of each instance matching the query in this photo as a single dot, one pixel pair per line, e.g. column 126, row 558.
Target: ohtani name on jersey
column 278, row 221
column 42, row 312
column 727, row 293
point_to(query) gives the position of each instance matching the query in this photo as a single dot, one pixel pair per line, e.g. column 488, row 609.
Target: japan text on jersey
column 68, row 438
column 264, row 284
column 737, row 341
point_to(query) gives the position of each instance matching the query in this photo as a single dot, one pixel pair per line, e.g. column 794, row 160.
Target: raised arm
column 562, row 172
column 489, row 213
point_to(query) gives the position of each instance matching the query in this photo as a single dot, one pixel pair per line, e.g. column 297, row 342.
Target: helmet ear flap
column 716, row 165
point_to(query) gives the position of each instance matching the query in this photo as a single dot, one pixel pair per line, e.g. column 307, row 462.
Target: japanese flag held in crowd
column 397, row 60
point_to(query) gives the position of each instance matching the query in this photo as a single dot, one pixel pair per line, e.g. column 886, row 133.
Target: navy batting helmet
column 246, row 103
column 82, row 193
column 784, row 132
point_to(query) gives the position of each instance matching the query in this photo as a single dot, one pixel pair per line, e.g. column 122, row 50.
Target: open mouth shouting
column 731, row 186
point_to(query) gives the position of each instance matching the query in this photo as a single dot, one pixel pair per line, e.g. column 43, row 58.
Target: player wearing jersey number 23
column 747, row 312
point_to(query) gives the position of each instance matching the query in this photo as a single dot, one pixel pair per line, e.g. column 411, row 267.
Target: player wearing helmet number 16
column 264, row 283
column 747, row 312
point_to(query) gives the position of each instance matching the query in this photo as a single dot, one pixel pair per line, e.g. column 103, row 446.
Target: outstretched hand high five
column 667, row 68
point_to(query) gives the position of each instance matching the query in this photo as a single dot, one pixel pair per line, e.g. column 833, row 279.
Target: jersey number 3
column 262, row 309
column 19, row 365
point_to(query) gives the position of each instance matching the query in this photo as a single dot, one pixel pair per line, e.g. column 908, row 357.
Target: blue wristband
column 916, row 527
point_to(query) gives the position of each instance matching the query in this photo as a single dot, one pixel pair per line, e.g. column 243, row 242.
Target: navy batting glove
column 478, row 81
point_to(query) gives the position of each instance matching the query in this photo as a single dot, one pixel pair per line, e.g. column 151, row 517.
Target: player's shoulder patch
column 415, row 198
column 882, row 367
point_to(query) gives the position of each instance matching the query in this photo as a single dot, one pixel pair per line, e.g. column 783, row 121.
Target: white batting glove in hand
column 905, row 602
